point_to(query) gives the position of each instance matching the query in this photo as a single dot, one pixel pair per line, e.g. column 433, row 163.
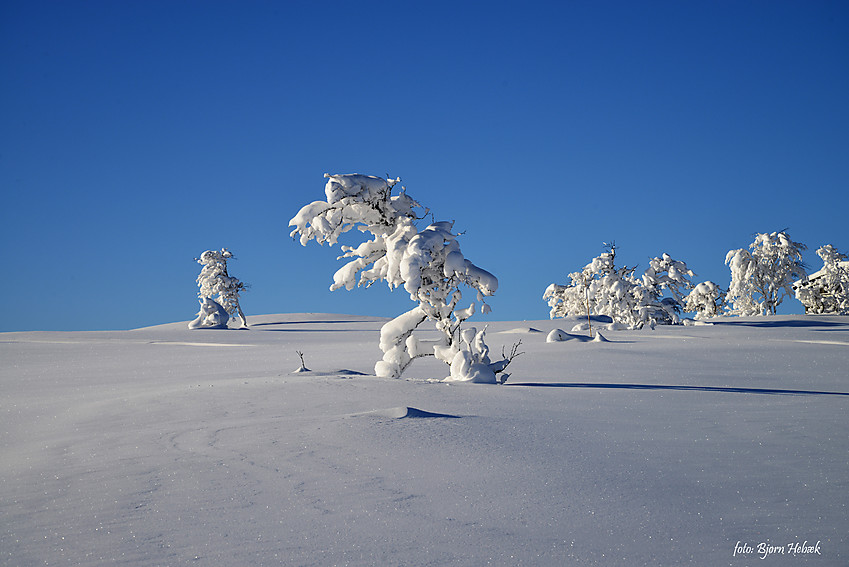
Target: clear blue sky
column 136, row 134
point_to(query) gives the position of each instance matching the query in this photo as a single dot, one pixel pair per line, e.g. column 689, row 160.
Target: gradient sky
column 136, row 134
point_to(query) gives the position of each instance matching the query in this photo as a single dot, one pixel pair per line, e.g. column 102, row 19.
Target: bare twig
column 506, row 360
column 303, row 367
column 514, row 352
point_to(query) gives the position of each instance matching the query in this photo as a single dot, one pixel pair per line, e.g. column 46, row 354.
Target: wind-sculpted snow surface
column 428, row 264
column 167, row 446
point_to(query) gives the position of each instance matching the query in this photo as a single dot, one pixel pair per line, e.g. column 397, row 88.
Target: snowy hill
column 683, row 445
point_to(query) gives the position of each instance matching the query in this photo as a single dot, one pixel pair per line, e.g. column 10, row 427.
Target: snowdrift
column 683, row 445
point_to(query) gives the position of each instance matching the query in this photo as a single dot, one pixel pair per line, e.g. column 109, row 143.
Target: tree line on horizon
column 428, row 264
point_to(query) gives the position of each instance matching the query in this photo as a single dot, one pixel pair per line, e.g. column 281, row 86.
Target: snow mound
column 403, row 412
column 559, row 335
column 599, row 338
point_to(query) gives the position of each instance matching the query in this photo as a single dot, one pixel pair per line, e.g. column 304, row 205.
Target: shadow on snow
column 679, row 388
column 799, row 323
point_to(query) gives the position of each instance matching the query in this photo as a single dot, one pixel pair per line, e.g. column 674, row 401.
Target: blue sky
column 134, row 135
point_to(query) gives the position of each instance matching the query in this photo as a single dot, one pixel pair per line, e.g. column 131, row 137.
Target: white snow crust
column 170, row 446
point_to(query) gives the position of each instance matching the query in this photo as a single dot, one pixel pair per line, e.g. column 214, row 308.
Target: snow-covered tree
column 763, row 277
column 601, row 288
column 572, row 299
column 427, row 263
column 706, row 299
column 826, row 291
column 619, row 295
column 214, row 280
column 667, row 275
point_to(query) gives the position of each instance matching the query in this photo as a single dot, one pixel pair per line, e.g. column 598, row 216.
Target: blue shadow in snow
column 414, row 412
column 678, row 388
column 799, row 323
column 317, row 322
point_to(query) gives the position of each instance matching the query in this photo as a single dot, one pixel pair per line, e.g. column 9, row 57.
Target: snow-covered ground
column 165, row 446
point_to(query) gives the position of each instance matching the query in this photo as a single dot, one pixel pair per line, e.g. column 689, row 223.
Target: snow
column 170, row 446
column 557, row 335
column 211, row 315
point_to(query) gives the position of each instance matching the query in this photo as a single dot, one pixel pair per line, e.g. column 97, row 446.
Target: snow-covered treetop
column 706, row 299
column 353, row 200
column 427, row 263
column 832, row 260
column 601, row 264
column 830, row 255
column 668, row 274
column 213, row 278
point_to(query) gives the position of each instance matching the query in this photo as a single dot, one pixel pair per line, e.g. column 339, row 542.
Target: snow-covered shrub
column 603, row 289
column 706, row 299
column 210, row 316
column 471, row 361
column 762, row 278
column 427, row 263
column 826, row 291
column 214, row 280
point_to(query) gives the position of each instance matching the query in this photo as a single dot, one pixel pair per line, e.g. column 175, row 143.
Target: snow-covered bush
column 826, row 291
column 706, row 299
column 471, row 361
column 762, row 278
column 603, row 289
column 427, row 263
column 214, row 280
